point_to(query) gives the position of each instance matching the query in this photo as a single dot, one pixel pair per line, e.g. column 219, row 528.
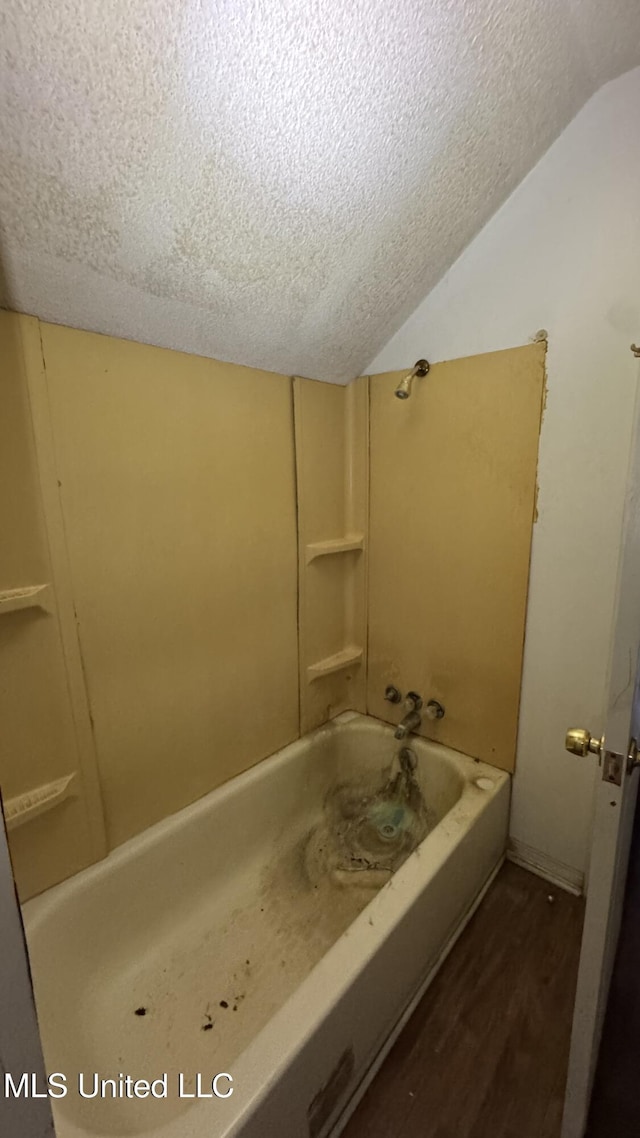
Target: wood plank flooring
column 485, row 1053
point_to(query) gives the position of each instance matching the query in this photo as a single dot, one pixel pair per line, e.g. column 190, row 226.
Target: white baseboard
column 556, row 872
column 372, row 1071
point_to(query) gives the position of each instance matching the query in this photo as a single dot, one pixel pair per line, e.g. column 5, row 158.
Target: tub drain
column 368, row 830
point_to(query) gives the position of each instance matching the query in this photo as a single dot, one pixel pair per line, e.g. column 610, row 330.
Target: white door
column 616, row 793
column 20, row 1051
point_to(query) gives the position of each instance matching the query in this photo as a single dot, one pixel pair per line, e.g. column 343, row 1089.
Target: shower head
column 403, row 390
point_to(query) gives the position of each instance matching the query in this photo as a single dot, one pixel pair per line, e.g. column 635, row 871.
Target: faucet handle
column 413, row 701
column 434, row 710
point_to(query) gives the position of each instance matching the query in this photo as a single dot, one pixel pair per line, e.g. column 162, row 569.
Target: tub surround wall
column 453, row 488
column 177, row 485
column 207, row 530
column 332, row 456
column 165, row 657
column 43, row 741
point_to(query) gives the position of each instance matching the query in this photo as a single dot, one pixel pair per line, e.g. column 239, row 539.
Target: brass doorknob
column 580, row 742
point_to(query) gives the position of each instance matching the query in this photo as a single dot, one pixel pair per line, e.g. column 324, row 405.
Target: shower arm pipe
column 421, row 367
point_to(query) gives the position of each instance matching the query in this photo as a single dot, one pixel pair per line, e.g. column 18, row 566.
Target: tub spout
column 411, row 722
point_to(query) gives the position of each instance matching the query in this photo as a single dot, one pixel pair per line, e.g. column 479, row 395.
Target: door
column 20, row 1051
column 615, row 800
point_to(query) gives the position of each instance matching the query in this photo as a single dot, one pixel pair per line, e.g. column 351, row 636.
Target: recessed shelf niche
column 331, row 425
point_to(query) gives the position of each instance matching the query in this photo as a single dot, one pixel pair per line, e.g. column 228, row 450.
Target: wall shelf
column 29, row 597
column 353, row 541
column 25, row 807
column 335, row 663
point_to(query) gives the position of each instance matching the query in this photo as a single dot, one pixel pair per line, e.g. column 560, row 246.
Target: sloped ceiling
column 274, row 182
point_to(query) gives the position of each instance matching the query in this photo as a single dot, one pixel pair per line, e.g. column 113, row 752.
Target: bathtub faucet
column 411, row 722
column 413, row 718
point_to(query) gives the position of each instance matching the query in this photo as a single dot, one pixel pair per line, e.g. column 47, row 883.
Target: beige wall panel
column 322, row 457
column 453, row 484
column 177, row 489
column 23, row 557
column 332, row 471
column 38, row 744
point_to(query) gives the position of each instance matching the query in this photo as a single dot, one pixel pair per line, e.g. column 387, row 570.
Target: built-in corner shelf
column 29, row 597
column 335, row 663
column 353, row 541
column 25, row 807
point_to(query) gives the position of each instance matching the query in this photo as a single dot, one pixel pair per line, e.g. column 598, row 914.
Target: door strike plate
column 613, row 768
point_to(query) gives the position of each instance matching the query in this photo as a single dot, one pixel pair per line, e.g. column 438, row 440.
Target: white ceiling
column 274, row 182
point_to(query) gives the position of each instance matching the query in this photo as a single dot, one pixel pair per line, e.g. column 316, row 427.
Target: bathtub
column 204, row 948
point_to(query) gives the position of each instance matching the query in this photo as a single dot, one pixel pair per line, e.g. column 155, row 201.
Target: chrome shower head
column 403, row 390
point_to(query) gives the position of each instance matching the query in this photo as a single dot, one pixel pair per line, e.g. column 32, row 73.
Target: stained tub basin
column 275, row 931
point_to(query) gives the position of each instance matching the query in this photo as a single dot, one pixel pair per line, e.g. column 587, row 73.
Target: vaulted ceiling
column 274, row 182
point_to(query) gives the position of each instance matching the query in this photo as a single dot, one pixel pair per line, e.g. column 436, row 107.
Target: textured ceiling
column 274, row 182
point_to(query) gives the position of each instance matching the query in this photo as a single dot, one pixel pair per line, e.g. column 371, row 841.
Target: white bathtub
column 213, row 907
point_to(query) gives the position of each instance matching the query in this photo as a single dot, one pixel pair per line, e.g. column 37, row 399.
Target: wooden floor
column 485, row 1053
